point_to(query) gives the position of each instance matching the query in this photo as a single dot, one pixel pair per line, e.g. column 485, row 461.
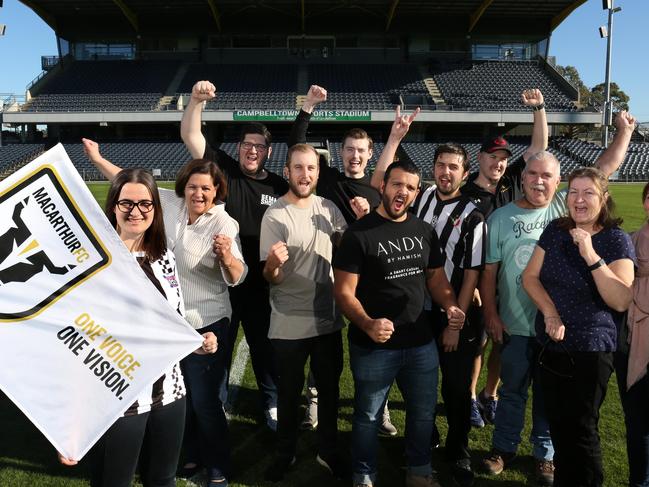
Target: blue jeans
column 415, row 370
column 206, row 428
column 518, row 369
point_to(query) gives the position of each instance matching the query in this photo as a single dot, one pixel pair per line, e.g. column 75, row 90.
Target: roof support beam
column 128, row 13
column 561, row 16
column 475, row 16
column 393, row 9
column 42, row 13
column 215, row 14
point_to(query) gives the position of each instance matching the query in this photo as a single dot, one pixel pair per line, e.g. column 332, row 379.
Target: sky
column 575, row 42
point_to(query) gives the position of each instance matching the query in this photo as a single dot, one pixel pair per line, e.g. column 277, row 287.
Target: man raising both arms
column 251, row 189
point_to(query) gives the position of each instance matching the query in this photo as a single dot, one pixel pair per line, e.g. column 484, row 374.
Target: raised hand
column 379, row 330
column 203, row 91
column 625, row 121
column 315, row 95
column 277, row 255
column 532, row 98
column 360, row 206
column 91, row 149
column 402, row 123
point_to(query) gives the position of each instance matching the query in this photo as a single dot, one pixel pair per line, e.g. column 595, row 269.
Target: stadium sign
column 82, row 329
column 289, row 115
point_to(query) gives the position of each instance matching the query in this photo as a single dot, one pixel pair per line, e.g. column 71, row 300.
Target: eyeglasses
column 126, row 206
column 250, row 145
column 567, row 373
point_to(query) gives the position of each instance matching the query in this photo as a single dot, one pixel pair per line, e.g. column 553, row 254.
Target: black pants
column 635, row 403
column 326, row 354
column 251, row 307
column 155, row 437
column 457, row 368
column 572, row 406
column 206, row 429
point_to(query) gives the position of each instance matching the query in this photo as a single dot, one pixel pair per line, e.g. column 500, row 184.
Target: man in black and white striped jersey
column 461, row 231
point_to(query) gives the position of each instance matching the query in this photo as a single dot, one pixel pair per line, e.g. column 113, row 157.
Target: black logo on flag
column 46, row 246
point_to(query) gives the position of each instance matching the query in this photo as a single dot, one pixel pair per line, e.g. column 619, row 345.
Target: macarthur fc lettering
column 46, row 246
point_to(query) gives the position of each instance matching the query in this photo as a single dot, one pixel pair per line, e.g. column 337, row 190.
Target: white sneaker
column 386, row 428
column 271, row 418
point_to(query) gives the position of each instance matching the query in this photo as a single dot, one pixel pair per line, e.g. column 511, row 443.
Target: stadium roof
column 77, row 19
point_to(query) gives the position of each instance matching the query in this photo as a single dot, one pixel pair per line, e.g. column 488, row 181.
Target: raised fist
column 203, row 91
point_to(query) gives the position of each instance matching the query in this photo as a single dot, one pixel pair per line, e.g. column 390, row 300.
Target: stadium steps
column 433, row 89
column 164, row 103
column 299, row 101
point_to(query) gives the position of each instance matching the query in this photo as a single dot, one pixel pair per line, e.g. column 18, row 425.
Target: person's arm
column 314, row 96
column 442, row 294
column 487, row 285
column 614, row 281
column 554, row 326
column 467, row 291
column 107, row 168
column 277, row 257
column 534, row 100
column 380, row 329
column 610, row 160
column 190, row 125
column 233, row 268
column 399, row 129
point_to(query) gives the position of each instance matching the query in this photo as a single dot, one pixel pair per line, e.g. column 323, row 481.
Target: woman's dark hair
column 645, row 191
column 202, row 166
column 154, row 243
column 606, row 218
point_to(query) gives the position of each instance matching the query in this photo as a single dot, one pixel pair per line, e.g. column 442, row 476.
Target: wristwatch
column 596, row 265
column 538, row 107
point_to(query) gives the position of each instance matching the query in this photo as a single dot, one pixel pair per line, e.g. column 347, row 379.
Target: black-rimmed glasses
column 250, row 145
column 569, row 367
column 126, row 206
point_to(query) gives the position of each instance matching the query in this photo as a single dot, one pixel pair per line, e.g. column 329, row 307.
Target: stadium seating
column 497, row 85
column 372, row 87
column 170, row 156
column 243, row 86
column 105, row 86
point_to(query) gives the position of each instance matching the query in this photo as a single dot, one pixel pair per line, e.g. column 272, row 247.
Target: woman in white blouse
column 205, row 240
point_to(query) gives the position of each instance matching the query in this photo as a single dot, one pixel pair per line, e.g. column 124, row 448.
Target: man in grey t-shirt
column 298, row 233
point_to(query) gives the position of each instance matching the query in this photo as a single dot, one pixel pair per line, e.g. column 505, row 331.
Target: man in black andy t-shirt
column 385, row 264
column 251, row 189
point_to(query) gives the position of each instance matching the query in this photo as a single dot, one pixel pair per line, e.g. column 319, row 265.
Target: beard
column 299, row 190
column 387, row 206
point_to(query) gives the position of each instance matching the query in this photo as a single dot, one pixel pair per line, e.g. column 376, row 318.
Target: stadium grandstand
column 124, row 72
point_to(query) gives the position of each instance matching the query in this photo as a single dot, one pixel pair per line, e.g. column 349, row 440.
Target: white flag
column 82, row 329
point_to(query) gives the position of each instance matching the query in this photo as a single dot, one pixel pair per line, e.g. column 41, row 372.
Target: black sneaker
column 463, row 473
column 279, row 467
column 336, row 466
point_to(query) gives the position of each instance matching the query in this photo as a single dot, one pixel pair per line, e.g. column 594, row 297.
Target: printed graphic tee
column 391, row 259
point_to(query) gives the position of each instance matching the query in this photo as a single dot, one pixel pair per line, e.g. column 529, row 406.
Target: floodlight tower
column 608, row 34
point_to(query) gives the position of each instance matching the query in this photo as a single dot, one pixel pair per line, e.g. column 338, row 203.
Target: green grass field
column 27, row 459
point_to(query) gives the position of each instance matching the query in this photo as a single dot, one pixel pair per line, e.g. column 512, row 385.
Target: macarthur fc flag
column 82, row 329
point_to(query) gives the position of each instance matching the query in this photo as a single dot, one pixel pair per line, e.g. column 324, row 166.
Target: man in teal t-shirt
column 513, row 231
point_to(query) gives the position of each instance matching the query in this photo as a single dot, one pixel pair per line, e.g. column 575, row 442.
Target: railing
column 48, row 62
column 35, row 80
